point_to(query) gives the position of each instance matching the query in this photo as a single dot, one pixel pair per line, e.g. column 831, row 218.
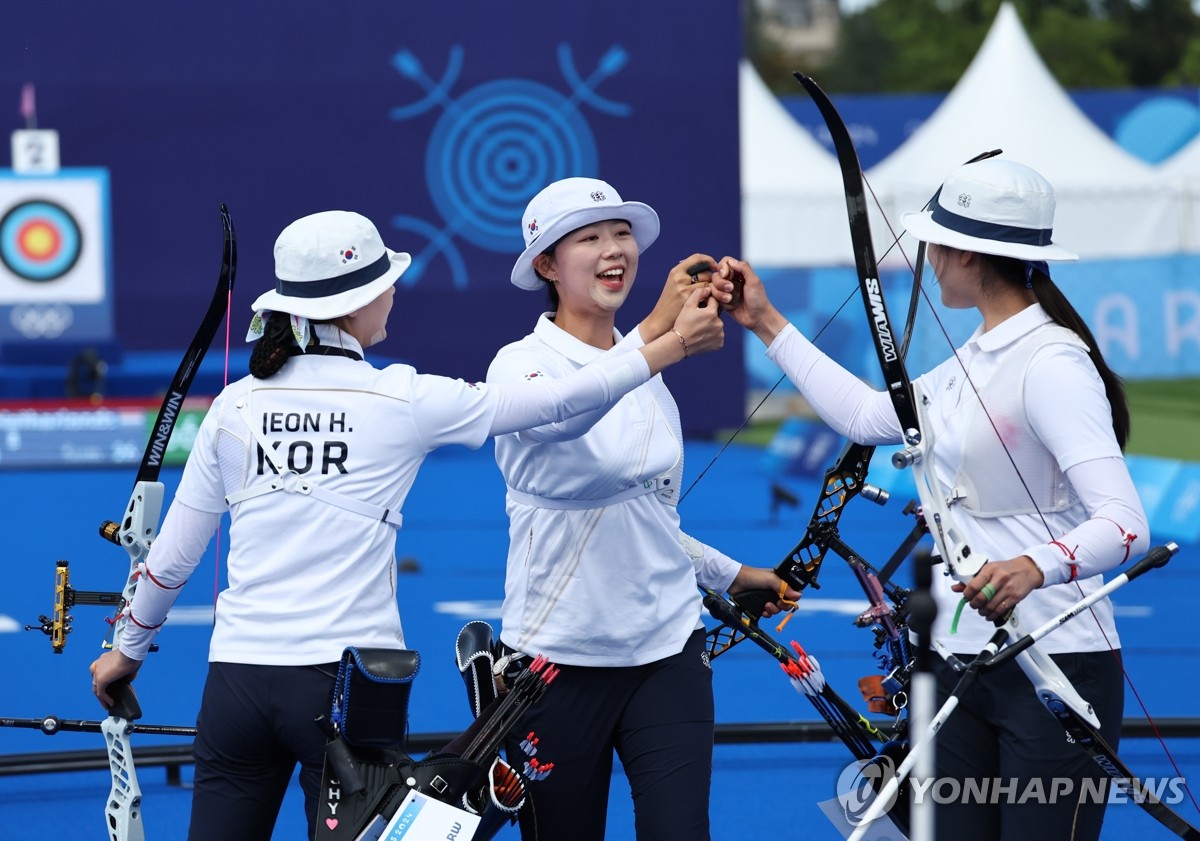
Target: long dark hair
column 1054, row 302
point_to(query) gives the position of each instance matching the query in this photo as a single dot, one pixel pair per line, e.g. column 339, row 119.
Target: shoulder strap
column 292, row 482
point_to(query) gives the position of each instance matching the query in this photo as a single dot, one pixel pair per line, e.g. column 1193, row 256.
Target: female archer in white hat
column 600, row 577
column 313, row 455
column 1033, row 374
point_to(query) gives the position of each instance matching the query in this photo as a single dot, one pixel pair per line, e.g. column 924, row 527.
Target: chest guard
column 987, row 485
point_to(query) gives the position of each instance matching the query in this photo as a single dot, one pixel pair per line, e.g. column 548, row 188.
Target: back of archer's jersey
column 307, row 578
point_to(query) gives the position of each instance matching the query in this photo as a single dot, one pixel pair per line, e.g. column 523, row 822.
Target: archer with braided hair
column 313, row 456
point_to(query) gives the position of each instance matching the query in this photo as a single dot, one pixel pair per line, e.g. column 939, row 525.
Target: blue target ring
column 495, row 148
column 40, row 240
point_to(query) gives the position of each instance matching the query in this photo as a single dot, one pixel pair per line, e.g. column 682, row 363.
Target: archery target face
column 39, row 241
column 53, row 240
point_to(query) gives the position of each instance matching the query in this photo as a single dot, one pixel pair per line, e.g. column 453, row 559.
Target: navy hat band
column 990, row 230
column 334, row 285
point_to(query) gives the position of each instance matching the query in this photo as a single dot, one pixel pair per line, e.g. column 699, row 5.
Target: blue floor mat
column 454, row 543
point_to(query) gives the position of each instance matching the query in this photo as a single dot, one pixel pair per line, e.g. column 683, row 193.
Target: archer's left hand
column 108, row 668
column 1000, row 585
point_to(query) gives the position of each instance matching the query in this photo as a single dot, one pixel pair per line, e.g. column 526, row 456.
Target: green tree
column 931, row 44
column 1154, row 38
column 1188, row 70
column 925, row 45
column 1080, row 52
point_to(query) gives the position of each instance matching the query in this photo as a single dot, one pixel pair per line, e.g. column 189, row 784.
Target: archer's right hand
column 701, row 328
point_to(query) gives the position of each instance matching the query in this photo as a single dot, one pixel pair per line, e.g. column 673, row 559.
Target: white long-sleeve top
column 591, row 581
column 1065, row 405
column 308, row 578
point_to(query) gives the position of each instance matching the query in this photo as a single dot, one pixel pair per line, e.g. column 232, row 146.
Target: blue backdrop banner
column 1144, row 313
column 437, row 122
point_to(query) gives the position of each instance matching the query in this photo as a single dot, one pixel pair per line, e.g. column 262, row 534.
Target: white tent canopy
column 793, row 204
column 1183, row 169
column 1110, row 203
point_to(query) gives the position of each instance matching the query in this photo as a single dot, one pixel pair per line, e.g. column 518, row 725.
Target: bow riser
column 951, row 545
column 123, row 811
column 843, row 481
column 137, row 530
column 139, row 527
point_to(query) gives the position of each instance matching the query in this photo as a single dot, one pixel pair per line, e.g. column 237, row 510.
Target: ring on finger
column 988, row 590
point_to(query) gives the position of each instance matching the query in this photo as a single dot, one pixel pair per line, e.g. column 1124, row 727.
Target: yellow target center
column 39, row 241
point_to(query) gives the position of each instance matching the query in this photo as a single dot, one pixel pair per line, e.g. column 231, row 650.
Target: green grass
column 1165, row 419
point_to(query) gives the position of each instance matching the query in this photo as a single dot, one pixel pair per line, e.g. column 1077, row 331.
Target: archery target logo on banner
column 39, row 241
column 54, row 238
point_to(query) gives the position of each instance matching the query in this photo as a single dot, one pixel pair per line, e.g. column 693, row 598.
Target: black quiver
column 367, row 770
column 365, row 731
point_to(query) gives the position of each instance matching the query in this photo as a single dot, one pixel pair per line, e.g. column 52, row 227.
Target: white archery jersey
column 1056, row 423
column 330, row 573
column 994, row 511
column 599, row 573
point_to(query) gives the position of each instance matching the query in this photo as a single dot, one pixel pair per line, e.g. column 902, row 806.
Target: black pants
column 1003, row 737
column 658, row 718
column 255, row 724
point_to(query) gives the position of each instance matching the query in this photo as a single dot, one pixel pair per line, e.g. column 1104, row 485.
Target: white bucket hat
column 994, row 206
column 569, row 204
column 330, row 264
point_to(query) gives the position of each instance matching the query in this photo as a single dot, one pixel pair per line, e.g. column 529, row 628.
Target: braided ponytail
column 272, row 351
